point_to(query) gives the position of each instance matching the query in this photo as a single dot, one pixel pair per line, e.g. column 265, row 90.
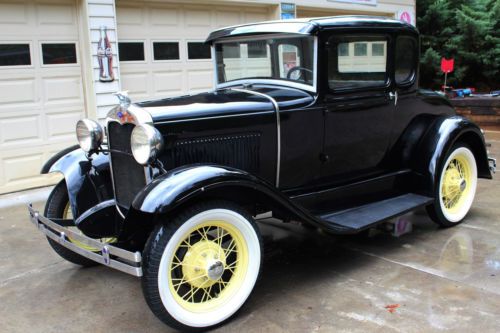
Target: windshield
column 289, row 59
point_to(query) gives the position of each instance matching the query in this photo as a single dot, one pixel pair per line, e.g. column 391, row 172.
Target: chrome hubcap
column 215, row 270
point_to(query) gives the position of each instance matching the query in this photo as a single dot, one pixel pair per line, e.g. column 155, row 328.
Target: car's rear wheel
column 201, row 266
column 457, row 187
column 57, row 207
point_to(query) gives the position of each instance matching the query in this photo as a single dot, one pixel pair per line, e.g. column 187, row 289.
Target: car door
column 359, row 106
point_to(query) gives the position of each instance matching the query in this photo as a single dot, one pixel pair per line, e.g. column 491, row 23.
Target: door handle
column 394, row 96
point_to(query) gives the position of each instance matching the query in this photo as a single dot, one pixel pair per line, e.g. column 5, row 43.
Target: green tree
column 467, row 31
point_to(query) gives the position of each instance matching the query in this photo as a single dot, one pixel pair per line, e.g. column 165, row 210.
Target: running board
column 363, row 217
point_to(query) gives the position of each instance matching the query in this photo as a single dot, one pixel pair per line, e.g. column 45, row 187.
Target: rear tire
column 456, row 189
column 56, row 207
column 200, row 267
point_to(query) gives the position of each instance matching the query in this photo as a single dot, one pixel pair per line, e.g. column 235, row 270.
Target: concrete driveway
column 432, row 280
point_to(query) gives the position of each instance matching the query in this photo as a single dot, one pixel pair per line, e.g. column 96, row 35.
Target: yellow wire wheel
column 458, row 184
column 209, row 267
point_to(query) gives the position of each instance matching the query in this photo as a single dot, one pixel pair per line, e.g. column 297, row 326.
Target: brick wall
column 483, row 111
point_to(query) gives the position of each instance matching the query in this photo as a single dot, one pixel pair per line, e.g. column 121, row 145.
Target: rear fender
column 88, row 181
column 433, row 148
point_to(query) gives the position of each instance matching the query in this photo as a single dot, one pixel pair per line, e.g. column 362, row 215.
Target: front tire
column 57, row 206
column 457, row 187
column 200, row 267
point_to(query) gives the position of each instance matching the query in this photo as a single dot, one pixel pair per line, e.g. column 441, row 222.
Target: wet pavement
column 431, row 280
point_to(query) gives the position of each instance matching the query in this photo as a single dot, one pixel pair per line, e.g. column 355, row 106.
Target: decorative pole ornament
column 105, row 57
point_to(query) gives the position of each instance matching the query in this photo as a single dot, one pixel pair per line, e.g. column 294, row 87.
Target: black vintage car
column 317, row 120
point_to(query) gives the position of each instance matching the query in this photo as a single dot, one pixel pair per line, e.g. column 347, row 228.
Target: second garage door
column 172, row 59
column 41, row 90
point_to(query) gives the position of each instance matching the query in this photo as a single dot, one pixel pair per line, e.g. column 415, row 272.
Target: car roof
column 308, row 26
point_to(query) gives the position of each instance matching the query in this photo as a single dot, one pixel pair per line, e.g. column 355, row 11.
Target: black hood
column 224, row 102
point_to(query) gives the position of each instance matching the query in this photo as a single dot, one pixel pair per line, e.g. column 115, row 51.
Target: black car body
column 316, row 138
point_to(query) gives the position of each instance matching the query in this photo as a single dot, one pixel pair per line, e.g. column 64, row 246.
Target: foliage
column 466, row 30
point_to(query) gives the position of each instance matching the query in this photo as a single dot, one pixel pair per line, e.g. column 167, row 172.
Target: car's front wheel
column 201, row 266
column 457, row 187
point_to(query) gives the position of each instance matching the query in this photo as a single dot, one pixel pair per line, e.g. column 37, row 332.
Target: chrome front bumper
column 493, row 164
column 108, row 255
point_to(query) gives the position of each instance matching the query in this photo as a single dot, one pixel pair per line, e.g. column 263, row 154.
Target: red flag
column 447, row 65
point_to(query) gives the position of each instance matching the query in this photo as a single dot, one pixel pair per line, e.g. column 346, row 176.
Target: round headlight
column 146, row 142
column 89, row 134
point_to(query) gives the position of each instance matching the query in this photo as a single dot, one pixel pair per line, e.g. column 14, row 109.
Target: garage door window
column 198, row 51
column 131, row 51
column 15, row 55
column 165, row 50
column 58, row 53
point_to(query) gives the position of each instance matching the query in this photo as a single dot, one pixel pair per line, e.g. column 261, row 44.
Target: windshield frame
column 304, row 86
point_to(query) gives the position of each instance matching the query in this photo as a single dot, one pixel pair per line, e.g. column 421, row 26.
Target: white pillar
column 99, row 95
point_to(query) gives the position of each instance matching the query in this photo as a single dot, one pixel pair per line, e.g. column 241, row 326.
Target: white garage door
column 160, row 45
column 41, row 92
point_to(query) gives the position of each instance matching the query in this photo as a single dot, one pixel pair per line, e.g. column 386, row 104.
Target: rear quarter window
column 405, row 64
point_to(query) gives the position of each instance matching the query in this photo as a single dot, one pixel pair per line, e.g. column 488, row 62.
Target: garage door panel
column 227, row 18
column 255, row 16
column 164, row 16
column 168, row 82
column 22, row 167
column 17, row 91
column 61, row 126
column 136, row 84
column 197, row 18
column 63, row 90
column 20, row 130
column 13, row 13
column 200, row 79
column 133, row 15
column 55, row 14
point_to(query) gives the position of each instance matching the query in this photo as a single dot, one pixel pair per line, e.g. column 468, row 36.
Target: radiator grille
column 238, row 151
column 128, row 175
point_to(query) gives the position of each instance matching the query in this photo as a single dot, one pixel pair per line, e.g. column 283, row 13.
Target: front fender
column 443, row 133
column 179, row 185
column 81, row 176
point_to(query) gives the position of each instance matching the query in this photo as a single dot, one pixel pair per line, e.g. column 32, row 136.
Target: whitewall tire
column 201, row 267
column 456, row 189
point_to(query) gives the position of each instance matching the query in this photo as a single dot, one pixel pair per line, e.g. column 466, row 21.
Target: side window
column 406, row 50
column 357, row 62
